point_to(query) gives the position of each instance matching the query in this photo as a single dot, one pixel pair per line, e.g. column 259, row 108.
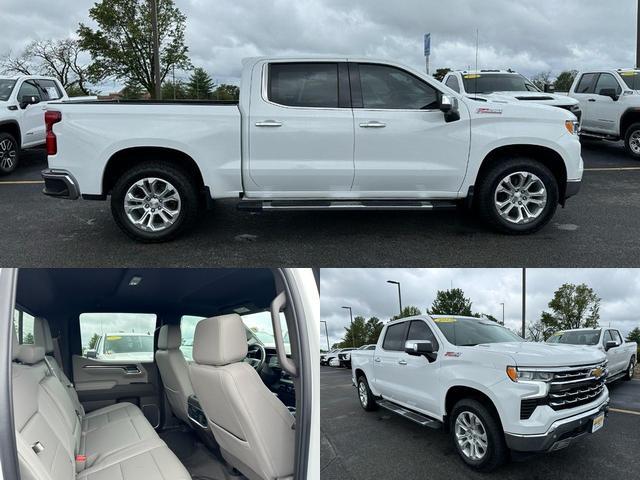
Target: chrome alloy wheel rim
column 362, row 392
column 634, row 142
column 152, row 204
column 7, row 154
column 520, row 198
column 471, row 436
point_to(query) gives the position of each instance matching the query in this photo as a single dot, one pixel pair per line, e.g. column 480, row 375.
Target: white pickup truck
column 331, row 133
column 610, row 102
column 621, row 355
column 490, row 389
column 22, row 103
column 506, row 85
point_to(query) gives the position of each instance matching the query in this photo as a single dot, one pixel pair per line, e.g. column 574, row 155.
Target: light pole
column 502, row 313
column 326, row 331
column 353, row 338
column 393, row 282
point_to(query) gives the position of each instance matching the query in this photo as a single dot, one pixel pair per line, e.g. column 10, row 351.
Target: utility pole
column 174, row 81
column 326, row 332
column 524, row 301
column 153, row 6
column 353, row 339
column 393, row 282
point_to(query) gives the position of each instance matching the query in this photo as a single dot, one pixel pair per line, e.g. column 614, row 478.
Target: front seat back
column 254, row 429
column 174, row 370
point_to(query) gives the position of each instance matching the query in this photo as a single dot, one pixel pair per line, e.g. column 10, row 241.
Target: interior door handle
column 269, row 123
column 402, row 362
column 373, row 125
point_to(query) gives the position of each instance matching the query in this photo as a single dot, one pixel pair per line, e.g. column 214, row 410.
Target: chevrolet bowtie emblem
column 596, row 372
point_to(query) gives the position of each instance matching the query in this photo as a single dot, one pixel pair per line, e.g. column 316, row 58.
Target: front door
column 604, row 109
column 32, row 123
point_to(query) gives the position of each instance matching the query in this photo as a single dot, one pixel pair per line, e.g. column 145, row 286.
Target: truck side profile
column 333, row 134
column 490, row 389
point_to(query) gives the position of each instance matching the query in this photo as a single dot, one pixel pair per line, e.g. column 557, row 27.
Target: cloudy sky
column 529, row 37
column 369, row 294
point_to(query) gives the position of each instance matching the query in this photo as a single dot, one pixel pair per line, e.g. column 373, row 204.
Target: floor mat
column 197, row 459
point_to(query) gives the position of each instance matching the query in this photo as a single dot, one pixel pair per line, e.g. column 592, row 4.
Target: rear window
column 51, row 89
column 23, row 323
column 576, row 338
column 118, row 336
column 394, row 338
column 586, row 83
column 6, row 87
column 304, row 84
column 631, row 79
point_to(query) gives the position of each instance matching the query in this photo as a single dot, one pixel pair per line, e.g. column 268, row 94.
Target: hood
column 529, row 354
column 543, row 98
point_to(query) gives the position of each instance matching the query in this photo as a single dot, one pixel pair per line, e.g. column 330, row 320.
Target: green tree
column 634, row 336
column 28, row 339
column 441, row 73
column 541, row 79
column 94, row 341
column 200, row 85
column 535, row 332
column 488, row 317
column 451, row 302
column 121, row 46
column 132, row 91
column 565, row 80
column 407, row 312
column 226, row 92
column 177, row 91
column 373, row 328
column 572, row 306
column 355, row 334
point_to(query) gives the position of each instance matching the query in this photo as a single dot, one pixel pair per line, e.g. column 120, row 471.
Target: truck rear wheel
column 477, row 436
column 154, row 202
column 630, row 369
column 632, row 140
column 517, row 196
column 9, row 153
column 367, row 401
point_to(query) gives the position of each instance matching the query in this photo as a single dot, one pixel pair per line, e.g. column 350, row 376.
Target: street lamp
column 326, row 331
column 393, row 282
column 502, row 313
column 353, row 338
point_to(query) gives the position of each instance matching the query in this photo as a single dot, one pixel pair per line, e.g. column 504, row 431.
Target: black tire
column 630, row 368
column 496, row 452
column 486, row 194
column 9, row 153
column 184, row 184
column 369, row 404
column 633, row 129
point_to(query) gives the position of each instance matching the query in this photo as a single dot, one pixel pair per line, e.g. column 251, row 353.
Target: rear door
column 584, row 93
column 389, row 360
column 127, row 371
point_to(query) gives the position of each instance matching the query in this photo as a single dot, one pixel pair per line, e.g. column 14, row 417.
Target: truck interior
column 198, row 375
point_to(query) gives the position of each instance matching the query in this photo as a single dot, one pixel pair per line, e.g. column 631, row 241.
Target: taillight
column 51, row 117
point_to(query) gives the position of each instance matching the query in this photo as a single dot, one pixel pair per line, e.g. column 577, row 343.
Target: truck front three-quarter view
column 316, row 134
column 496, row 394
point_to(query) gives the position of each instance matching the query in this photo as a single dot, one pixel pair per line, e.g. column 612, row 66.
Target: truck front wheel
column 477, row 436
column 154, row 202
column 517, row 196
column 367, row 401
column 632, row 140
column 9, row 153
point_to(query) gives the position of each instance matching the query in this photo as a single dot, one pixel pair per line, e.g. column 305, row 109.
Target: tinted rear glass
column 576, row 338
column 632, row 79
column 304, row 84
column 586, row 82
column 394, row 338
column 6, row 87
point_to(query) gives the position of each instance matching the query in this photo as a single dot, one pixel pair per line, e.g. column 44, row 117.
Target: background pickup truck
column 22, row 103
column 610, row 102
column 493, row 391
column 621, row 355
column 316, row 134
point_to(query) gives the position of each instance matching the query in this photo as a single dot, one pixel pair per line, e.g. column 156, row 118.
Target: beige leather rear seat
column 50, row 432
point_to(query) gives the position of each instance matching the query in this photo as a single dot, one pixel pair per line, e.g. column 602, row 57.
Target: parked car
column 621, row 355
column 123, row 346
column 316, row 134
column 22, row 103
column 489, row 388
column 325, row 357
column 330, row 356
column 610, row 101
column 344, row 357
column 507, row 85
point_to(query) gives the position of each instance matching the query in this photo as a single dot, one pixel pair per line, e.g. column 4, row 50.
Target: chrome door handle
column 269, row 123
column 373, row 125
column 377, row 359
column 402, row 362
column 592, row 100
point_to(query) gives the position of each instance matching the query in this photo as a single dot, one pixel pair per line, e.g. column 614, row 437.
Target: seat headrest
column 30, row 354
column 169, row 337
column 42, row 334
column 220, row 340
column 15, row 344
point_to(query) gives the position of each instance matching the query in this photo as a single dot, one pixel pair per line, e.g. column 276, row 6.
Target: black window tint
column 420, row 331
column 50, row 89
column 304, row 84
column 616, row 337
column 607, row 81
column 390, row 88
column 394, row 338
column 585, row 83
column 453, row 84
column 29, row 89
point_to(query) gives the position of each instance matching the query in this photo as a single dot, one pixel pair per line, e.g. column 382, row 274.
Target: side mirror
column 609, row 92
column 27, row 100
column 449, row 106
column 548, row 88
column 420, row 348
column 91, row 353
column 609, row 345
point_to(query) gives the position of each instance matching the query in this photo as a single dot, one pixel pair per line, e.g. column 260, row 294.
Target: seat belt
column 56, row 353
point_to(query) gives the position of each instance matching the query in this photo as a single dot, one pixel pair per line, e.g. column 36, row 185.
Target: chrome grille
column 576, row 386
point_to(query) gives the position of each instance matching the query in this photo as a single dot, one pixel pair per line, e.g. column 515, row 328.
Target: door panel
column 32, row 123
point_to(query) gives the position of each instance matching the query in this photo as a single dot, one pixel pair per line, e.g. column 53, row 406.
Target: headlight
column 528, row 375
column 572, row 126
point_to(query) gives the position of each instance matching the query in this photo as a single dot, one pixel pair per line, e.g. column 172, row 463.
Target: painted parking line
column 630, row 412
column 613, row 169
column 22, row 182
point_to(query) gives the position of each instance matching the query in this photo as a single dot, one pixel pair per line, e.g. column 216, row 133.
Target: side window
column 304, row 84
column 453, row 84
column 187, row 329
column 419, row 330
column 607, row 81
column 51, row 90
column 389, row 88
column 606, row 337
column 23, row 323
column 615, row 335
column 395, row 336
column 584, row 86
column 118, row 337
column 29, row 89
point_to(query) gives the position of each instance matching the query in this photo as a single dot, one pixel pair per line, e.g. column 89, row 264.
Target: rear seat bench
column 57, row 441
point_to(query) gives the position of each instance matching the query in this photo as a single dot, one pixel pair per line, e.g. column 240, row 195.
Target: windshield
column 6, row 87
column 576, row 338
column 632, row 79
column 497, row 82
column 128, row 344
column 468, row 332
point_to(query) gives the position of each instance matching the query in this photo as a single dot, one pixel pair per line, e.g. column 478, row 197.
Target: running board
column 381, row 205
column 615, row 377
column 599, row 136
column 415, row 417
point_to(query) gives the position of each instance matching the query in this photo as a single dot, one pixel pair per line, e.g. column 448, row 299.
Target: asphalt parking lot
column 599, row 228
column 362, row 445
